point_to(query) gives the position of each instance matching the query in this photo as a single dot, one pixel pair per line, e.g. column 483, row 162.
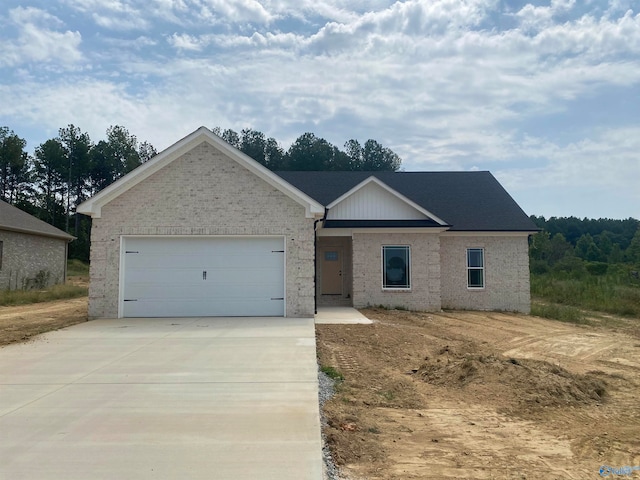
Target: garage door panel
column 211, row 290
column 202, row 308
column 210, row 276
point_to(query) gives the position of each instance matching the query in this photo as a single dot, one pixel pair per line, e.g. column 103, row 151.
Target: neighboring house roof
column 93, row 206
column 14, row 219
column 468, row 201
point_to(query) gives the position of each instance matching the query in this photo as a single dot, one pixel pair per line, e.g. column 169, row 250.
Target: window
column 475, row 268
column 395, row 267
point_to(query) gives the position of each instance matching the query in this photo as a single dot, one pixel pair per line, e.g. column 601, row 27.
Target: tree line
column 570, row 243
column 65, row 170
column 311, row 153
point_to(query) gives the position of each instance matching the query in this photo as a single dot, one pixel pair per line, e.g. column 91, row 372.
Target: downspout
column 315, row 260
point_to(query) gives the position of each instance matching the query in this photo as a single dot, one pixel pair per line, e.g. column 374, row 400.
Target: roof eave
column 62, row 236
column 93, row 206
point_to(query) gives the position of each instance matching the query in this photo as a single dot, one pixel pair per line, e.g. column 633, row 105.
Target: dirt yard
column 18, row 324
column 460, row 394
column 482, row 395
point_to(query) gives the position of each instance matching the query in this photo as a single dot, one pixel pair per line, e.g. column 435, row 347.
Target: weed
column 77, row 268
column 563, row 313
column 24, row 297
column 615, row 291
column 388, row 396
column 332, row 373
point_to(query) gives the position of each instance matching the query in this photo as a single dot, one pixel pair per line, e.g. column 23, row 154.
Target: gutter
column 315, row 260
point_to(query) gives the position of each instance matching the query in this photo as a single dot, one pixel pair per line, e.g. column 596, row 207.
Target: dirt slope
column 23, row 322
column 482, row 395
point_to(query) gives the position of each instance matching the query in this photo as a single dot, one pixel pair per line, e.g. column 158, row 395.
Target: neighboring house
column 33, row 254
column 204, row 230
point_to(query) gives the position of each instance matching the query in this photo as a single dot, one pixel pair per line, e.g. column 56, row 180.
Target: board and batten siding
column 203, row 192
column 373, row 202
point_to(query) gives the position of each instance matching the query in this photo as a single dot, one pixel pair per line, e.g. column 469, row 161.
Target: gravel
column 325, row 392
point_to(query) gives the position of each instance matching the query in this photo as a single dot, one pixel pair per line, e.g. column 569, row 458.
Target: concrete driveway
column 196, row 398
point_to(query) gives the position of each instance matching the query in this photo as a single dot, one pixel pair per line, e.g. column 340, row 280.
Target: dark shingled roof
column 14, row 219
column 468, row 201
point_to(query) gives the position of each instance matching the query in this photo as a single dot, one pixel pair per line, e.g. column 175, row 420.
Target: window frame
column 481, row 268
column 396, row 288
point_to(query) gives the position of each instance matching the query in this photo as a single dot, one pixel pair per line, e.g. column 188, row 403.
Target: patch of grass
column 615, row 291
column 77, row 268
column 25, row 297
column 563, row 313
column 388, row 396
column 332, row 373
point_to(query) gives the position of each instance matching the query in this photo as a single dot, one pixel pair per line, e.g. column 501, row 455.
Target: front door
column 332, row 271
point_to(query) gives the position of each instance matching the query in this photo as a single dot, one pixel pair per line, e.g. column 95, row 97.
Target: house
column 204, row 230
column 33, row 254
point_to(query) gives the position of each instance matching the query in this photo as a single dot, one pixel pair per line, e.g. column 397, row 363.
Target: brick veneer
column 203, row 192
column 24, row 255
column 506, row 273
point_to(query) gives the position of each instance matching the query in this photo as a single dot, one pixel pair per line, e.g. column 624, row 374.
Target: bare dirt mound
column 533, row 382
column 481, row 395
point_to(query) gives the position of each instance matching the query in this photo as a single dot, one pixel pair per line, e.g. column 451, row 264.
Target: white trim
column 483, row 268
column 382, row 271
column 121, row 278
column 349, row 232
column 390, row 190
column 450, row 233
column 284, row 279
column 93, row 206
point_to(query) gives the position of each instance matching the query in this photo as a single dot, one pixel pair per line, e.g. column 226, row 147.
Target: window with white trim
column 475, row 267
column 396, row 261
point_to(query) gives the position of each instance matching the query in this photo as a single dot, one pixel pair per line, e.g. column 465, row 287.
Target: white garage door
column 203, row 276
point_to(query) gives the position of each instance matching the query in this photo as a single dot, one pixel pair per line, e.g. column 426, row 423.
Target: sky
column 544, row 94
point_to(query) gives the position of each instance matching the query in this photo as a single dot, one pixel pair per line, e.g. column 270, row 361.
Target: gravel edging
column 326, row 390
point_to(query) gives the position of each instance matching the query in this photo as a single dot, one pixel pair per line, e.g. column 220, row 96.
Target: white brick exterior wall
column 506, row 273
column 25, row 255
column 425, row 271
column 202, row 192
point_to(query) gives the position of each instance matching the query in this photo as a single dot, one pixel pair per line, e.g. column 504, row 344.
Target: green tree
column 371, row 157
column 587, row 249
column 14, row 166
column 633, row 252
column 77, row 146
column 559, row 248
column 311, row 153
column 377, row 158
column 116, row 156
column 49, row 170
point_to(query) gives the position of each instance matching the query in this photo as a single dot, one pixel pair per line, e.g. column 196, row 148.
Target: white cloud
column 235, row 11
column 37, row 41
column 448, row 84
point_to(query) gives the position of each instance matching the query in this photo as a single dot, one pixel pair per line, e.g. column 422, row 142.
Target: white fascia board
column 349, row 232
column 481, row 233
column 392, row 192
column 93, row 206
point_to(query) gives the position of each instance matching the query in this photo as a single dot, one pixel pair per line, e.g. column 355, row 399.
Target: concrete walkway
column 340, row 315
column 157, row 399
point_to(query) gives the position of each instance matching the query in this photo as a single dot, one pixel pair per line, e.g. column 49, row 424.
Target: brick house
column 33, row 254
column 204, row 230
